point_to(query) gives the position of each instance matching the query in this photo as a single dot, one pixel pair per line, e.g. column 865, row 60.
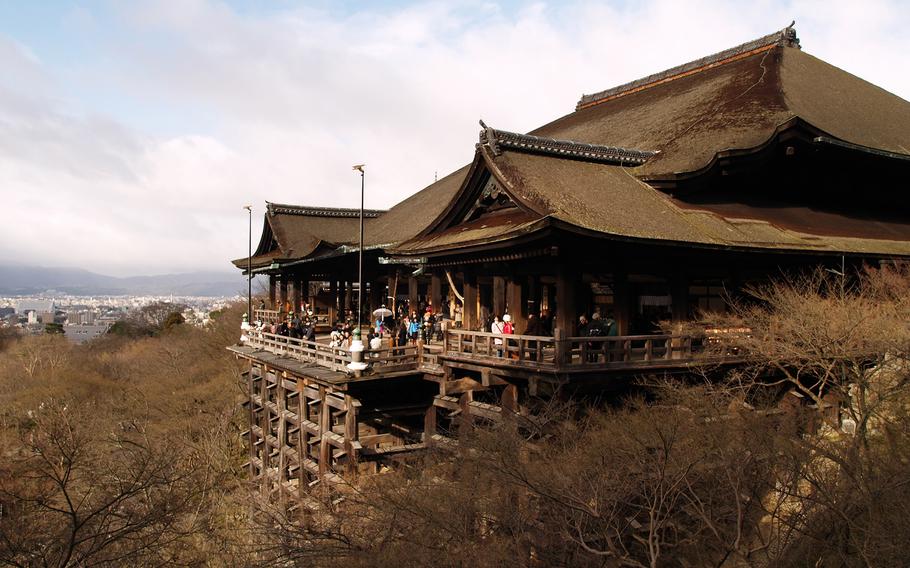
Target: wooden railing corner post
column 560, row 344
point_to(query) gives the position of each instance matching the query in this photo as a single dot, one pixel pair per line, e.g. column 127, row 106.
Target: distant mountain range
column 18, row 280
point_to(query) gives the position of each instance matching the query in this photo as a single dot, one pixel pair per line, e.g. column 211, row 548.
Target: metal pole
column 360, row 260
column 249, row 268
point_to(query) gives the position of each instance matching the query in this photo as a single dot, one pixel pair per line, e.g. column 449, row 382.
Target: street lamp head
column 359, row 167
column 248, row 208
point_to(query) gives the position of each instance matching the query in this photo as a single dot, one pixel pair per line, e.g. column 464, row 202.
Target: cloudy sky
column 133, row 132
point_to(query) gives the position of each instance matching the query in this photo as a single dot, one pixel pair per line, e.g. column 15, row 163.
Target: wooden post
column 348, row 292
column 565, row 300
column 680, row 293
column 273, row 286
column 469, row 312
column 562, row 351
column 622, row 302
column 296, row 295
column 351, row 434
column 325, row 426
column 412, row 294
column 499, row 296
column 283, row 293
column 436, row 292
column 533, row 296
column 517, row 309
column 333, row 292
column 429, row 423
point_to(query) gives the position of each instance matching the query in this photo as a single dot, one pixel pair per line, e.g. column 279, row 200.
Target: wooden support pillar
column 509, row 399
column 622, row 301
column 348, row 292
column 429, row 423
column 333, row 292
column 515, row 305
column 679, row 292
column 565, row 300
column 273, row 287
column 533, row 305
column 325, row 426
column 499, row 296
column 297, row 295
column 470, row 310
column 377, row 296
column 392, row 299
column 351, row 434
column 303, row 447
column 412, row 293
column 283, row 293
column 305, row 291
column 436, row 292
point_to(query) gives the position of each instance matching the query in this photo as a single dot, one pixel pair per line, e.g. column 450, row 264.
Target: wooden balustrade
column 310, row 351
column 529, row 351
column 574, row 352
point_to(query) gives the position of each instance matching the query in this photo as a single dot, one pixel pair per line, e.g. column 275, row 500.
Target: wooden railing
column 323, row 320
column 309, row 351
column 336, row 358
column 556, row 353
column 266, row 316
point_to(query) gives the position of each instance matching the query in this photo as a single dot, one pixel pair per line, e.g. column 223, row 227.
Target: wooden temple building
column 648, row 202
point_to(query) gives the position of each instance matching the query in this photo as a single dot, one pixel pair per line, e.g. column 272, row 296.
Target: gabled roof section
column 785, row 37
column 498, row 139
column 736, row 100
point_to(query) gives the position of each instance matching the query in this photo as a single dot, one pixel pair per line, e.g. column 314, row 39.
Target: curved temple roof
column 589, row 169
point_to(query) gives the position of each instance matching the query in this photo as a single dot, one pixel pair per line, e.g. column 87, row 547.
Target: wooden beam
column 515, row 304
column 273, row 287
column 461, row 385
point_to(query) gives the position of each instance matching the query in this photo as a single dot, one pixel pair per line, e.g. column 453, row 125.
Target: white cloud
column 277, row 106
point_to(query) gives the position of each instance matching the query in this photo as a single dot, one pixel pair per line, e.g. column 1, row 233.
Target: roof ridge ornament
column 496, row 140
column 282, row 209
column 784, row 38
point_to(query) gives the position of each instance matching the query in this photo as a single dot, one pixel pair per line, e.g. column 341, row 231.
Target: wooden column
column 296, row 295
column 565, row 300
column 516, row 305
column 348, row 292
column 436, row 292
column 305, row 291
column 533, row 305
column 412, row 293
column 469, row 313
column 622, row 302
column 333, row 292
column 679, row 290
column 377, row 297
column 392, row 299
column 499, row 296
column 283, row 293
column 273, row 287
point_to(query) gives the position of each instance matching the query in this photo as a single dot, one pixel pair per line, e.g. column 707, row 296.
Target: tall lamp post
column 357, row 363
column 249, row 271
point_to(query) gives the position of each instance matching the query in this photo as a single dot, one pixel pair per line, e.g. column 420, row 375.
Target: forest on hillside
column 127, row 451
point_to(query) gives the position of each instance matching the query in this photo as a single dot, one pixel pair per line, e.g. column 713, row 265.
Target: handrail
column 566, row 353
column 337, row 358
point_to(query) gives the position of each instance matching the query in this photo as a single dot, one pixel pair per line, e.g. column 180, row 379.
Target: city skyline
column 131, row 135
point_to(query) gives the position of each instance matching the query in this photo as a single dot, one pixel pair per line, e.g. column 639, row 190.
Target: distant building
column 82, row 333
column 40, row 306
